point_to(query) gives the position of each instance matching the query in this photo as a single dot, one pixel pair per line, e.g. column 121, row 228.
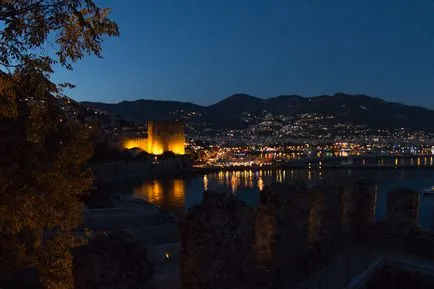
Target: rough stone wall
column 293, row 232
column 366, row 200
column 115, row 261
column 134, row 142
column 166, row 136
column 402, row 208
column 324, row 216
column 358, row 208
column 348, row 208
column 162, row 136
column 281, row 231
column 217, row 238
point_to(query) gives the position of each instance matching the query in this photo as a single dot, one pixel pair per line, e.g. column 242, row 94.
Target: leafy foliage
column 41, row 178
column 42, row 152
column 73, row 28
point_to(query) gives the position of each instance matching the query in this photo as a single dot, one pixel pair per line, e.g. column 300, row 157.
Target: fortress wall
column 162, row 136
column 129, row 143
column 166, row 136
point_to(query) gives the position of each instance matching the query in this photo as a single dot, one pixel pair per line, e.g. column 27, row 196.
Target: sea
column 177, row 195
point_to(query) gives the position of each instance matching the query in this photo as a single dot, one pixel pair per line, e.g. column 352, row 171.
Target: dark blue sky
column 204, row 50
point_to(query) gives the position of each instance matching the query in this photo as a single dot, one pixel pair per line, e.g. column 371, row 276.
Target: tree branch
column 10, row 12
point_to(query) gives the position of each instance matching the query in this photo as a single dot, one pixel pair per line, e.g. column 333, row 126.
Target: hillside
column 143, row 110
column 231, row 112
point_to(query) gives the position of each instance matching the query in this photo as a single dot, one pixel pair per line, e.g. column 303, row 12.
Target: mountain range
column 230, row 112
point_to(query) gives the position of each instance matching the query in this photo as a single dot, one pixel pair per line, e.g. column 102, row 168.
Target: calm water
column 177, row 195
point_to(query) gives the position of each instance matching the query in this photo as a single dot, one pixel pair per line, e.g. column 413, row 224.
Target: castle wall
column 281, row 231
column 403, row 207
column 166, row 136
column 216, row 239
column 162, row 136
column 324, row 223
column 141, row 143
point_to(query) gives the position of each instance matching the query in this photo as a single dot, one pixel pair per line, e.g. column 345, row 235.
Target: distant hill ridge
column 359, row 109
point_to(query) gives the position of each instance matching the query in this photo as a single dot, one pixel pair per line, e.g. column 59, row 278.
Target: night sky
column 205, row 50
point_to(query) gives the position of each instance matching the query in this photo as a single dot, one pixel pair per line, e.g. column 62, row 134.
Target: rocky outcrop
column 217, row 238
column 113, row 261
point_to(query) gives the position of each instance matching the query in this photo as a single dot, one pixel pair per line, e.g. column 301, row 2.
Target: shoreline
column 302, row 164
column 327, row 163
column 302, row 167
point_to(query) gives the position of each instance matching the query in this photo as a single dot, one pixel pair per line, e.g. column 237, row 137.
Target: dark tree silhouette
column 42, row 152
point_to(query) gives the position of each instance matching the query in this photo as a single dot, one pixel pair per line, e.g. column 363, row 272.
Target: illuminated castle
column 162, row 136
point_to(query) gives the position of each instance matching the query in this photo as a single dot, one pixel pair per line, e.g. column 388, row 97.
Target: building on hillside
column 162, row 136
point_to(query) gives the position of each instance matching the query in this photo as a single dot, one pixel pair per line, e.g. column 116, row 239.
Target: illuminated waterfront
column 289, row 161
column 177, row 195
column 221, row 156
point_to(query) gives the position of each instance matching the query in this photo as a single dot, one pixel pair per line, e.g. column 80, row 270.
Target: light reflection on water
column 169, row 195
column 177, row 195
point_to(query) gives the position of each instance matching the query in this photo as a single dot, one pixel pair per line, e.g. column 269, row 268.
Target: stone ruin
column 281, row 230
column 225, row 244
column 403, row 210
column 216, row 244
column 299, row 229
column 358, row 209
column 324, row 223
column 293, row 231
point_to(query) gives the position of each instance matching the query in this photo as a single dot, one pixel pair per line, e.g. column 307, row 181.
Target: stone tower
column 166, row 136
